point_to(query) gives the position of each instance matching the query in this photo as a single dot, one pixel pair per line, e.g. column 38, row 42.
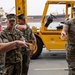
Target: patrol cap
column 11, row 17
column 73, row 9
column 21, row 16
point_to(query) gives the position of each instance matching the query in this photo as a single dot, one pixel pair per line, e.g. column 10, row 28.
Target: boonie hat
column 21, row 16
column 11, row 16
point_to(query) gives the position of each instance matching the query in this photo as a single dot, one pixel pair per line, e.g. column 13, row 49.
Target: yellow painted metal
column 50, row 38
column 60, row 1
column 66, row 10
column 53, row 41
column 66, row 2
column 44, row 16
column 21, row 8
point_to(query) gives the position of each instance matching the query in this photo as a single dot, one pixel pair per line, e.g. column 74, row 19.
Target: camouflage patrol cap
column 21, row 16
column 73, row 9
column 11, row 16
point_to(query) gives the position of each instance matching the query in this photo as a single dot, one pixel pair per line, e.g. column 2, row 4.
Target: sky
column 34, row 7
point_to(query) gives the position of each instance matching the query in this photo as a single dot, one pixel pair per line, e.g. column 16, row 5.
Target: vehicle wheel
column 38, row 49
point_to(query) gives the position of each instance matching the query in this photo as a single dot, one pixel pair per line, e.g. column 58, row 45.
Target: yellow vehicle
column 50, row 39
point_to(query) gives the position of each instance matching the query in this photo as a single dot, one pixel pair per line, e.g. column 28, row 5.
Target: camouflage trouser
column 2, row 70
column 13, row 69
column 70, row 56
column 25, row 62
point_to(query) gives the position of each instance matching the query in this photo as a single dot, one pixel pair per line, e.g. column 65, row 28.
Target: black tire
column 39, row 49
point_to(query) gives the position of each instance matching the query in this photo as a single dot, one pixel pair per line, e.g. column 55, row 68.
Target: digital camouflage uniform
column 70, row 24
column 13, row 58
column 27, row 33
column 2, row 58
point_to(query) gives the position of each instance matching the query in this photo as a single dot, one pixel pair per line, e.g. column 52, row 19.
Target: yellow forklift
column 48, row 38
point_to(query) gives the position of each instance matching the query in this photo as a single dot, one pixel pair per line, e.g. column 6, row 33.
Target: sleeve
column 66, row 24
column 16, row 25
column 31, row 34
column 21, row 35
column 2, row 61
column 22, row 38
column 0, row 38
column 2, row 64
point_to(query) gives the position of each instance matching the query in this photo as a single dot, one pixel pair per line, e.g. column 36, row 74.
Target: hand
column 63, row 35
column 32, row 50
column 33, row 47
column 21, row 43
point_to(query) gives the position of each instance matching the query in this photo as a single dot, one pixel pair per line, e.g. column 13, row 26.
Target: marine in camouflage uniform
column 28, row 35
column 26, row 52
column 7, row 46
column 13, row 58
column 2, row 59
column 2, row 64
column 69, row 29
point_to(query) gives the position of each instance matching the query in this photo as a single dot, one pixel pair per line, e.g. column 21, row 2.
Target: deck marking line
column 51, row 69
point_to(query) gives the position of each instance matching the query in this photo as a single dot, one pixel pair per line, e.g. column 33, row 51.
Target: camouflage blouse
column 27, row 34
column 2, row 57
column 70, row 24
column 12, row 56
